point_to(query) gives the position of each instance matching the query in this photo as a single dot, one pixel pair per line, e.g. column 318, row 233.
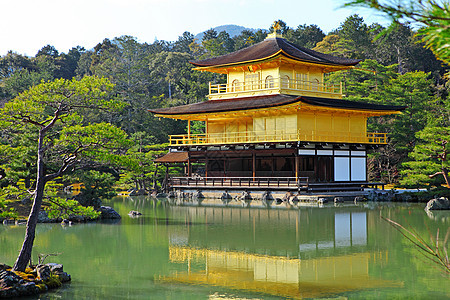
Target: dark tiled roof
column 268, row 48
column 246, row 103
column 339, row 103
column 228, row 105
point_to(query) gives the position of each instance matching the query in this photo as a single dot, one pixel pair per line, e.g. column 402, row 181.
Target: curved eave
column 301, row 103
column 245, row 112
column 216, row 68
column 236, row 64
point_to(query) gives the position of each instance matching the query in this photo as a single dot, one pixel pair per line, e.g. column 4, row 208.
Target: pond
column 217, row 252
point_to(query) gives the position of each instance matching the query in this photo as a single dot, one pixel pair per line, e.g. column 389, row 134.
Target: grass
column 434, row 251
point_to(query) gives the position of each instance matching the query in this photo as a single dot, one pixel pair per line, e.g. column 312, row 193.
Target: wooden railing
column 276, row 136
column 242, row 182
column 277, row 84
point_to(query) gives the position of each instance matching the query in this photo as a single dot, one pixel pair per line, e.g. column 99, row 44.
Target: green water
column 191, row 252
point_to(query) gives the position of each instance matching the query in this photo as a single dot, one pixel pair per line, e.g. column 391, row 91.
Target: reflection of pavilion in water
column 295, row 258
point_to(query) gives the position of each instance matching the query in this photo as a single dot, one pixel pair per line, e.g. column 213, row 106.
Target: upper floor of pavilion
column 274, row 66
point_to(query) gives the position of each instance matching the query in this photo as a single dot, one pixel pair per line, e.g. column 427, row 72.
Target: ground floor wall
column 319, row 163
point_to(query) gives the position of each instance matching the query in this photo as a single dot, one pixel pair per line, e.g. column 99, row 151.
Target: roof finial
column 276, row 33
column 276, row 27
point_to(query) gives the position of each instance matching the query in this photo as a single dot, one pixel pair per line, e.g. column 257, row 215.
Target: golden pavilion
column 275, row 123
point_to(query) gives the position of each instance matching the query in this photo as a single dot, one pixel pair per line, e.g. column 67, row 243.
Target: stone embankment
column 33, row 281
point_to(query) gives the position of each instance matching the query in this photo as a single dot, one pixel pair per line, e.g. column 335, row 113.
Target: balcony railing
column 239, row 182
column 276, row 136
column 274, row 85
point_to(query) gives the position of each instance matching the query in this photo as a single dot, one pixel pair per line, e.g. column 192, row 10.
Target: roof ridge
column 300, row 48
column 194, row 62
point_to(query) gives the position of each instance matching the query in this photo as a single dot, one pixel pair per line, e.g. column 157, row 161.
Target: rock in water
column 267, row 196
column 245, row 196
column 438, row 204
column 322, row 200
column 3, row 267
column 57, row 269
column 198, row 195
column 8, row 279
column 43, row 217
column 134, row 213
column 109, row 213
column 43, row 272
column 338, row 199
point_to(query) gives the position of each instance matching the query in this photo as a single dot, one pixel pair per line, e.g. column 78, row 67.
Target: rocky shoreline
column 33, row 281
column 107, row 213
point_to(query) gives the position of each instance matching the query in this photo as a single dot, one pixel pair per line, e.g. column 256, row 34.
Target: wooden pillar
column 189, row 169
column 273, row 165
column 189, row 129
column 253, row 165
column 206, row 166
column 297, row 160
column 225, row 167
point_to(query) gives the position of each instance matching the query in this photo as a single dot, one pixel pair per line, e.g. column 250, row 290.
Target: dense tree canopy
column 397, row 68
column 56, row 108
column 53, row 116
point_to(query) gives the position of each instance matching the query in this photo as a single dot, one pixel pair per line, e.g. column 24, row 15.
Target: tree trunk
column 30, row 233
column 445, row 174
column 154, row 179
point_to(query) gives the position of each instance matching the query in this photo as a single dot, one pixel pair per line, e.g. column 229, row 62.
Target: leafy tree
column 68, row 63
column 187, row 86
column 65, row 142
column 355, row 37
column 126, row 63
column 183, row 42
column 143, row 174
column 307, row 36
column 375, row 83
column 330, row 45
column 396, row 37
column 246, row 39
column 214, row 47
column 210, row 34
column 260, row 35
column 226, row 41
column 413, row 90
column 12, row 63
column 433, row 17
column 58, row 207
column 430, row 158
column 48, row 51
column 95, row 186
column 18, row 73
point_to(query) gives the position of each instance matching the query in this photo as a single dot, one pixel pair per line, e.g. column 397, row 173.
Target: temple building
column 276, row 118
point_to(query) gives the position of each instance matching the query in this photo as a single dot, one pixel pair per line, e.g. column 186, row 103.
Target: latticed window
column 301, row 80
column 251, row 81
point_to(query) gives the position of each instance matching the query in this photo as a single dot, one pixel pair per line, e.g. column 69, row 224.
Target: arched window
column 285, row 80
column 269, row 82
column 315, row 84
column 235, row 86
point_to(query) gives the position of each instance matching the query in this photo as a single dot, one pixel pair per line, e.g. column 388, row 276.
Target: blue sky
column 28, row 25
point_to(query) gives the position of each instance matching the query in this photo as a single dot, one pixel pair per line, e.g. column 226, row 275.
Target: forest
column 395, row 69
